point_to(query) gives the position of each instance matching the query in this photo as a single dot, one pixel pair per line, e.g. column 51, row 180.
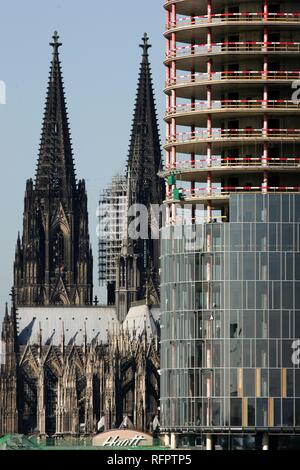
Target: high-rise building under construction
column 230, row 257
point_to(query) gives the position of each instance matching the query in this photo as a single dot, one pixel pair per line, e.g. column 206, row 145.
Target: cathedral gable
column 59, row 219
column 60, row 294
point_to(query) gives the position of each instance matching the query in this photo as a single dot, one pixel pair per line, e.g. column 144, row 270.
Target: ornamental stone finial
column 55, row 44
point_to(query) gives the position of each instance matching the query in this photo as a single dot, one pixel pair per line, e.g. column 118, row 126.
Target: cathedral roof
column 140, row 317
column 74, row 321
column 55, row 168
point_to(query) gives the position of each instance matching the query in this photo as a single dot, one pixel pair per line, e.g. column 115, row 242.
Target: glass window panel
column 297, row 294
column 287, row 352
column 289, row 273
column 297, row 383
column 261, row 324
column 262, row 294
column 297, row 412
column 297, row 266
column 233, row 209
column 199, row 354
column 216, row 294
column 274, row 324
column 260, row 210
column 236, row 294
column 264, row 380
column 286, row 324
column 216, row 353
column 275, row 382
column 246, row 353
column 236, row 412
column 273, row 354
column 287, row 412
column 235, row 327
column 277, row 412
column 246, row 237
column 272, row 237
column 235, row 236
column 216, row 412
column 217, row 382
column 261, row 237
column 261, row 353
column 235, row 353
column 233, row 266
column 274, row 208
column 248, row 205
column 290, row 382
column 248, row 266
column 274, row 266
column 198, row 267
column 287, row 237
column 262, row 412
column 251, row 412
column 250, row 294
column 249, row 323
column 233, row 382
column 217, row 267
column 296, row 208
column 277, row 295
column 263, row 264
column 285, row 202
column 249, row 382
column 287, row 295
column 216, row 236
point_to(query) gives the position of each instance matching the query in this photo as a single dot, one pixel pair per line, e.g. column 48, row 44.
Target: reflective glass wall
column 230, row 300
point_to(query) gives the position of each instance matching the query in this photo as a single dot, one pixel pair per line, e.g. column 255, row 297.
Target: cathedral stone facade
column 68, row 364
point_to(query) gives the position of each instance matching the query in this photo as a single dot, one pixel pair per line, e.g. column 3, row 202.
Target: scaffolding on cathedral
column 112, row 226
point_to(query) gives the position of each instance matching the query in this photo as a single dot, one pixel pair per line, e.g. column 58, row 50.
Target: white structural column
column 209, row 106
column 167, row 440
column 173, row 440
column 264, row 186
column 168, row 126
column 173, row 106
column 265, row 441
column 209, row 442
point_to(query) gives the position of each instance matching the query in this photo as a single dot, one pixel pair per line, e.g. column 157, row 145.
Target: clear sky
column 100, row 62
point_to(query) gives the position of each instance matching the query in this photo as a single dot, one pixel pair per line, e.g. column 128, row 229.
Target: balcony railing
column 241, row 17
column 241, row 46
column 221, row 191
column 232, row 104
column 219, row 162
column 234, row 75
column 247, row 133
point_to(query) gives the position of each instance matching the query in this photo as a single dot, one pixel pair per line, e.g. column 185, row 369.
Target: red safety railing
column 216, row 191
column 232, row 104
column 241, row 46
column 244, row 16
column 217, row 162
column 234, row 75
column 247, row 133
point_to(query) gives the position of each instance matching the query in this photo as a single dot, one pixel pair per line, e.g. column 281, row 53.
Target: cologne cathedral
column 68, row 363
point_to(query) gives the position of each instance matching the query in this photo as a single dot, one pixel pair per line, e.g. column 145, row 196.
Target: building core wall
column 230, row 317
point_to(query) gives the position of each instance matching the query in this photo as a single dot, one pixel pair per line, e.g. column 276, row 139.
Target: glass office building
column 230, row 248
column 228, row 358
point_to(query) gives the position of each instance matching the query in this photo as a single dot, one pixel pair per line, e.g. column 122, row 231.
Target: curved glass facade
column 230, row 300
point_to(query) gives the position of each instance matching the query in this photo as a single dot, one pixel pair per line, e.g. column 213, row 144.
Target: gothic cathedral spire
column 55, row 168
column 137, row 275
column 144, row 157
column 53, row 262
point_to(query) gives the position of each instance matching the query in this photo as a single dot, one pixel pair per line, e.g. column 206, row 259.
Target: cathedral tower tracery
column 53, row 262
